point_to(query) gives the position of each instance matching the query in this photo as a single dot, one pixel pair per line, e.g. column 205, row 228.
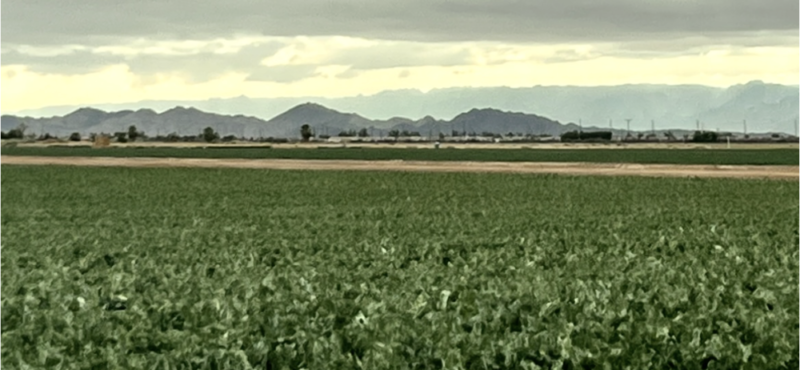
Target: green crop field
column 123, row 268
column 664, row 156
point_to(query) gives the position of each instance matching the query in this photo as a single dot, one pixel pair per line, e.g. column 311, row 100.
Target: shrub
column 584, row 136
column 705, row 137
column 122, row 137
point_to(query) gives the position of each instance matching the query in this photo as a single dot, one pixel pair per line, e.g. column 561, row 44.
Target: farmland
column 783, row 156
column 231, row 268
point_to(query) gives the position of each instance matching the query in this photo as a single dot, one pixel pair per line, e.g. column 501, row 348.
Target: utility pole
column 580, row 124
column 653, row 126
column 628, row 121
column 795, row 127
column 698, row 125
column 611, row 128
column 744, row 123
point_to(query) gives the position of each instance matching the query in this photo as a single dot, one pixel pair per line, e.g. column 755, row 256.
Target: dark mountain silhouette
column 191, row 121
column 505, row 122
column 766, row 107
column 321, row 119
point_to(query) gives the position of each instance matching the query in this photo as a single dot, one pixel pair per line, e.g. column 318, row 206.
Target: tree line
column 210, row 135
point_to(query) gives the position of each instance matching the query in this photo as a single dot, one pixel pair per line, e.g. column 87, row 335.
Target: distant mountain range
column 765, row 107
column 191, row 121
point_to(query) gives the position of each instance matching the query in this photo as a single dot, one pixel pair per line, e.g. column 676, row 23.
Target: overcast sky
column 82, row 52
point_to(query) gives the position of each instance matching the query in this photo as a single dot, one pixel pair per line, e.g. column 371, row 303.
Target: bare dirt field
column 765, row 172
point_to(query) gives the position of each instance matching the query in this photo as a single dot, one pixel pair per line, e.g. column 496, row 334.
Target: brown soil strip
column 444, row 145
column 610, row 169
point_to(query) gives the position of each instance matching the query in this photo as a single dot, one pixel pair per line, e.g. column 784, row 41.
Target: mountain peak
column 181, row 109
column 426, row 120
column 318, row 116
column 86, row 111
column 311, row 107
column 310, row 112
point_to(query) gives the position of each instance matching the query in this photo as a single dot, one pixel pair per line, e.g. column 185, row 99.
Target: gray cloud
column 283, row 73
column 73, row 63
column 43, row 22
column 199, row 67
column 566, row 56
column 203, row 65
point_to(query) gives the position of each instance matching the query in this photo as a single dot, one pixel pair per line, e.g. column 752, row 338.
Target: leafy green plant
column 236, row 269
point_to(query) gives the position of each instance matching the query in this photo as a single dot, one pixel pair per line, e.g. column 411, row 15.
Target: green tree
column 17, row 133
column 132, row 133
column 705, row 137
column 305, row 132
column 209, row 135
column 122, row 137
column 75, row 136
column 363, row 133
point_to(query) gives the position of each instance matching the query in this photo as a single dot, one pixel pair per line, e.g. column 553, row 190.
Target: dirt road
column 767, row 172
